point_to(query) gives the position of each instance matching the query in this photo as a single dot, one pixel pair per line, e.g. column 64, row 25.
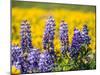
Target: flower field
column 65, row 37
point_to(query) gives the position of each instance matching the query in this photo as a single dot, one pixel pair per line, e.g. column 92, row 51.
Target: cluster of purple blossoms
column 86, row 39
column 26, row 42
column 48, row 36
column 26, row 45
column 16, row 53
column 64, row 37
column 33, row 58
column 17, row 65
column 29, row 63
column 76, row 43
column 85, row 29
column 29, row 59
column 26, row 57
column 79, row 39
column 46, row 63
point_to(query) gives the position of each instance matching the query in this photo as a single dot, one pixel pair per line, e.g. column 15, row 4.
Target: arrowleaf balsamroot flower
column 64, row 37
column 15, row 71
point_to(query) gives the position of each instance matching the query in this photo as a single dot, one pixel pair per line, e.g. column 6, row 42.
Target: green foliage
column 86, row 60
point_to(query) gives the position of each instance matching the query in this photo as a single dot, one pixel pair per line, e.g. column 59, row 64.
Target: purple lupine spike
column 24, row 66
column 76, row 43
column 46, row 63
column 26, row 42
column 15, row 53
column 48, row 36
column 64, row 37
column 33, row 58
column 85, row 37
column 85, row 29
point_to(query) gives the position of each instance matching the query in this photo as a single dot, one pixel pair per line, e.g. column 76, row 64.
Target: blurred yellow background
column 37, row 17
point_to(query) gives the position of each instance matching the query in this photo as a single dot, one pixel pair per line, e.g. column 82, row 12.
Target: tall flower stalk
column 25, row 33
column 46, row 61
column 64, row 37
column 48, row 36
column 76, row 43
column 85, row 36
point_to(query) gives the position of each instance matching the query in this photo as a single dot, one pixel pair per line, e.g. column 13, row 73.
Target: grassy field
column 37, row 13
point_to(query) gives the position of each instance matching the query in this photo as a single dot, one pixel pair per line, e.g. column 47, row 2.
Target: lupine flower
column 33, row 58
column 15, row 53
column 64, row 37
column 48, row 36
column 85, row 29
column 46, row 64
column 29, row 60
column 24, row 65
column 26, row 43
column 76, row 43
column 85, row 37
